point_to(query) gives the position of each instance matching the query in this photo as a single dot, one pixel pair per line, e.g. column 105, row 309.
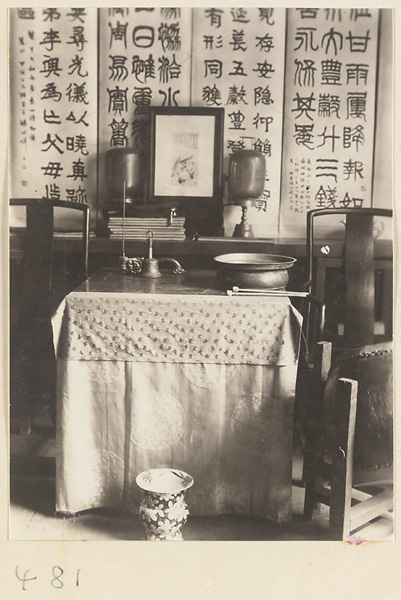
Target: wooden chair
column 349, row 438
column 32, row 361
column 355, row 272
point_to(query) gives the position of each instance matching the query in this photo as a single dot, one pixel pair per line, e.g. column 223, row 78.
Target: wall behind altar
column 297, row 84
column 383, row 156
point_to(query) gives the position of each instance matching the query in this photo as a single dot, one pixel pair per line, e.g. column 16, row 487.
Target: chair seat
column 379, row 477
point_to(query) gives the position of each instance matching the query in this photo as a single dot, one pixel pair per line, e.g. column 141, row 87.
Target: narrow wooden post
column 342, row 459
column 312, row 456
column 360, row 284
column 38, row 260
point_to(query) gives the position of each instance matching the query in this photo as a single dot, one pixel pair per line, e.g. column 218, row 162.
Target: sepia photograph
column 200, row 275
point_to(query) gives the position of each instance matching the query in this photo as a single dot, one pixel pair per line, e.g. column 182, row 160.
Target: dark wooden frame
column 359, row 265
column 218, row 114
column 32, row 358
column 40, row 222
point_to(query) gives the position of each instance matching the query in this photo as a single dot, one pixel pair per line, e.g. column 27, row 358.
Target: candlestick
column 124, row 219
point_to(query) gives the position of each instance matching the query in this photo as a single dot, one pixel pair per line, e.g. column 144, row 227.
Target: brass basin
column 264, row 271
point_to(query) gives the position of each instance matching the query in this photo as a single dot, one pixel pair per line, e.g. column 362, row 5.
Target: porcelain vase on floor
column 163, row 511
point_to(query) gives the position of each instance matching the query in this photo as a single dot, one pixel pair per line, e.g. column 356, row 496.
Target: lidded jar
column 246, row 176
column 123, row 164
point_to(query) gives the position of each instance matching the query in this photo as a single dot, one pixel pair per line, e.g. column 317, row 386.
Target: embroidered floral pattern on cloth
column 173, row 328
column 203, row 383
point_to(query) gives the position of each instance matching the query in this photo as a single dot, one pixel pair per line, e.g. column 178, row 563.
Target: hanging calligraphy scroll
column 232, row 58
column 238, row 64
column 329, row 113
column 144, row 60
column 53, row 103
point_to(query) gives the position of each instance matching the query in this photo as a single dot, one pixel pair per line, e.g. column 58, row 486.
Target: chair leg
column 313, row 457
column 311, row 505
column 342, row 459
column 21, row 397
column 387, row 310
column 25, row 427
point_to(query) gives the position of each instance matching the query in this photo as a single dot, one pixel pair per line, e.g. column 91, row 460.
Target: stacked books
column 136, row 228
column 71, row 233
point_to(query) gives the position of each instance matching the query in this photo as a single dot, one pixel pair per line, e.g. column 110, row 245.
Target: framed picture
column 186, row 150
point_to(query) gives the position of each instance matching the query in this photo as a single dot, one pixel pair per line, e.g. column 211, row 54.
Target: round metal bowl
column 267, row 271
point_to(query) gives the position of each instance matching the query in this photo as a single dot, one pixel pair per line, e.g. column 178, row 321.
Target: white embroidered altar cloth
column 200, row 383
column 177, row 328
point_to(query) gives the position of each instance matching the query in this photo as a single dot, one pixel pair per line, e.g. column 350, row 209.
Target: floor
column 32, row 496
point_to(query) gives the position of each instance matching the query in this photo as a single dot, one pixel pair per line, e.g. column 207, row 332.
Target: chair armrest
column 319, row 305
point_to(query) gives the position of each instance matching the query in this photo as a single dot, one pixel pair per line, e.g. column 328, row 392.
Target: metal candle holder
column 147, row 267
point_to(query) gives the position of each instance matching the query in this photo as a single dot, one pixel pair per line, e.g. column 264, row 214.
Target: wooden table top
column 190, row 282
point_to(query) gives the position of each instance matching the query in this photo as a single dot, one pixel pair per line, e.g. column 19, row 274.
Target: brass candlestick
column 148, row 267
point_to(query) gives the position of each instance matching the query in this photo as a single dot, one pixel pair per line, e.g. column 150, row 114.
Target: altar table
column 174, row 373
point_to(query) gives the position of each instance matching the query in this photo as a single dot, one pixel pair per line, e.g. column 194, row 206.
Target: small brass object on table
column 148, row 267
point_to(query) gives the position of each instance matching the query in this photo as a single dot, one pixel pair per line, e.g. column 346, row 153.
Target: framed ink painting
column 186, row 149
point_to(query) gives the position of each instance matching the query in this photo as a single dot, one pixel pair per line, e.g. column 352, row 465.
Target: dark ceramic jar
column 123, row 164
column 246, row 176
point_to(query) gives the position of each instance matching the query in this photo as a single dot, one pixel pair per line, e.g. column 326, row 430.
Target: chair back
column 372, row 367
column 38, row 256
column 358, row 263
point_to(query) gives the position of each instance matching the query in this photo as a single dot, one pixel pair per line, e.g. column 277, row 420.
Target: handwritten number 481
column 56, row 581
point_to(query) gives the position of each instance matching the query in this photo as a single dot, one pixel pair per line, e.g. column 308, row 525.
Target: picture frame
column 186, row 154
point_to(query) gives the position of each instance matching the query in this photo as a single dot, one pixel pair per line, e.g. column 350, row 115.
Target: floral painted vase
column 163, row 510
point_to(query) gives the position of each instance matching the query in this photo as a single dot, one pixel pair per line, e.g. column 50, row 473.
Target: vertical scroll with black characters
column 329, row 110
column 53, row 93
column 144, row 61
column 238, row 64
